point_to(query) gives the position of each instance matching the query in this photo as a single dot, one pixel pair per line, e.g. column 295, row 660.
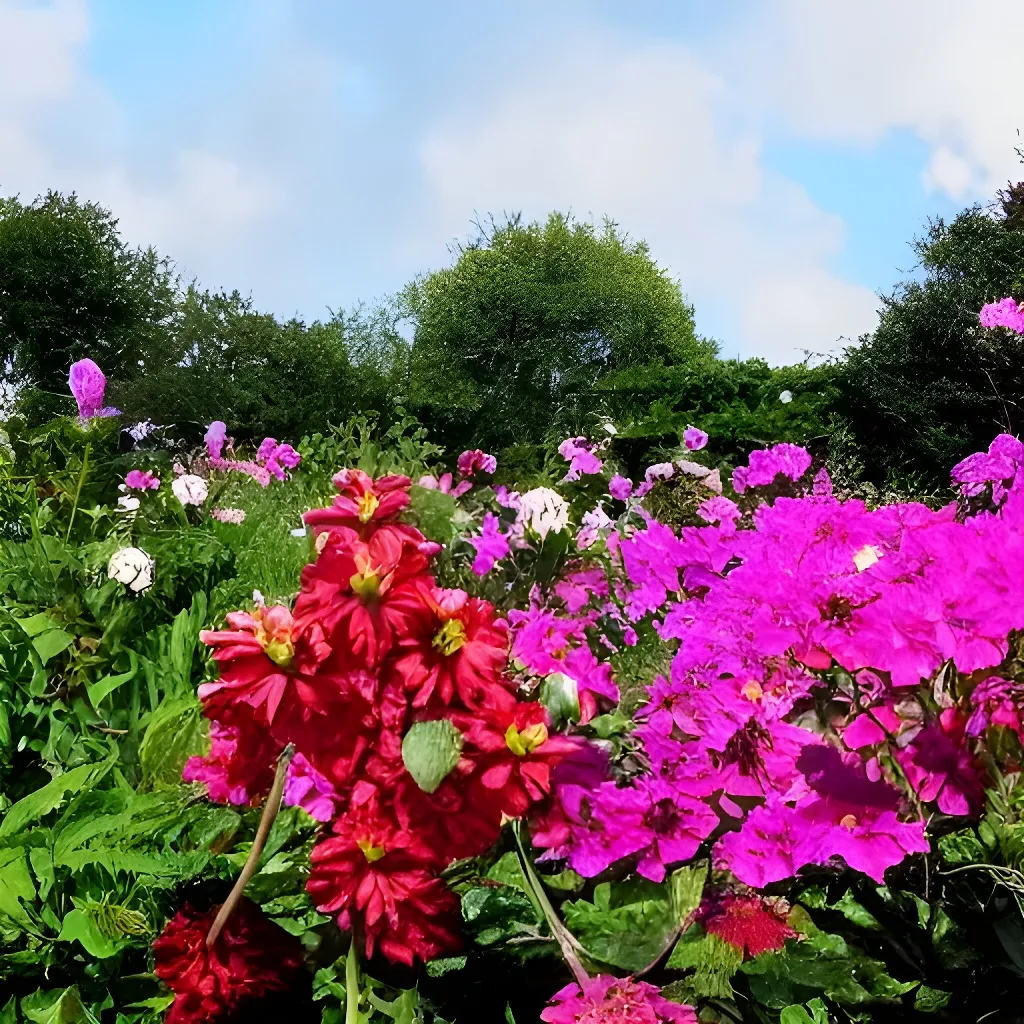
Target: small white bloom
column 258, row 599
column 544, row 511
column 128, row 504
column 190, row 489
column 132, row 567
column 611, row 428
column 691, row 468
column 786, row 397
column 659, row 471
column 866, row 557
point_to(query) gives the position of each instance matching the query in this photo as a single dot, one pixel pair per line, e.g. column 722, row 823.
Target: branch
column 270, row 809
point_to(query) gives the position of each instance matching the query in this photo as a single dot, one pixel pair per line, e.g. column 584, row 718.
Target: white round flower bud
column 132, row 567
column 190, row 489
column 544, row 511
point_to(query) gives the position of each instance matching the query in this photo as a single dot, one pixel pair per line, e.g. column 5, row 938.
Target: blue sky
column 778, row 156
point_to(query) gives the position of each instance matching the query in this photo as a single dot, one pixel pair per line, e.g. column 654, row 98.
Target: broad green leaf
column 50, row 796
column 508, row 871
column 799, row 1014
column 36, row 624
column 63, row 1006
column 686, row 887
column 175, row 732
column 434, row 512
column 16, row 885
column 42, row 867
column 102, row 687
column 962, row 847
column 78, row 925
column 430, row 751
column 51, row 643
column 9, row 1014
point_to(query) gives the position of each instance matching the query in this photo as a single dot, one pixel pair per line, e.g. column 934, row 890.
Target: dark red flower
column 751, row 924
column 515, row 756
column 381, row 880
column 451, row 645
column 251, row 958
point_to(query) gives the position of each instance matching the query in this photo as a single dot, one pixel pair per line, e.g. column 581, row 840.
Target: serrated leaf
column 430, row 750
column 52, row 795
column 445, row 965
column 176, row 731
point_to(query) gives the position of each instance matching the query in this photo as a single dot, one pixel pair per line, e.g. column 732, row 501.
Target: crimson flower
column 751, row 924
column 362, row 503
column 516, row 755
column 234, row 771
column 453, row 645
column 263, row 657
column 380, row 880
column 251, row 958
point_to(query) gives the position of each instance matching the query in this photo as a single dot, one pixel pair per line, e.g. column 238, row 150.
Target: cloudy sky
column 777, row 155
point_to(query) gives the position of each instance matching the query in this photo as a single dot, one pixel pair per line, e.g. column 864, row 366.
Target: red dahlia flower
column 264, row 657
column 516, row 755
column 362, row 503
column 751, row 924
column 452, row 645
column 380, row 880
column 235, row 771
column 251, row 958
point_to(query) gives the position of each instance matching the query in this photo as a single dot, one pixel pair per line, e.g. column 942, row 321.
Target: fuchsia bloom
column 444, row 484
column 1004, row 313
column 579, row 452
column 491, row 545
column 719, row 510
column 694, row 438
column 788, row 460
column 141, row 480
column 475, row 461
column 216, row 437
column 997, row 468
column 305, row 787
column 609, row 1000
column 88, row 385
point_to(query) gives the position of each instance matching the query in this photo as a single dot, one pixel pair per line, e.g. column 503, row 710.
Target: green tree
column 511, row 341
column 70, row 287
column 930, row 385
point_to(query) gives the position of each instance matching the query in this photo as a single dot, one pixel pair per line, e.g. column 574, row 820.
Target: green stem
column 78, row 490
column 565, row 939
column 352, row 983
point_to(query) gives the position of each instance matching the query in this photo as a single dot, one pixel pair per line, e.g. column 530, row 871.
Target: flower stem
column 565, row 939
column 78, row 489
column 352, row 983
column 270, row 809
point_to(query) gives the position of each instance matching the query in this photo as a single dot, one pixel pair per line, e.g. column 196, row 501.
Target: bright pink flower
column 620, row 487
column 444, row 484
column 88, row 385
column 216, row 437
column 234, row 772
column 141, row 480
column 491, row 545
column 1004, row 313
column 277, row 458
column 475, row 461
column 719, row 510
column 609, row 1000
column 305, row 787
column 578, row 452
column 694, row 438
column 788, row 460
column 941, row 768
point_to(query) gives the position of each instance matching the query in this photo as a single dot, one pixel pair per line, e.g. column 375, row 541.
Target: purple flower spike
column 87, row 384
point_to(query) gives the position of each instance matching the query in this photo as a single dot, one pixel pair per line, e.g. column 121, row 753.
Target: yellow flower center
column 280, row 651
column 370, row 852
column 848, row 821
column 752, row 690
column 367, row 506
column 451, row 637
column 364, row 584
column 525, row 742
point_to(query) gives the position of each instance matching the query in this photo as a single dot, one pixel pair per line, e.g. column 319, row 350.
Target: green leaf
column 9, row 1014
column 627, row 925
column 36, row 624
column 108, row 683
column 16, row 886
column 930, row 1000
column 962, row 847
column 50, row 796
column 176, row 731
column 56, row 1007
column 799, row 1014
column 51, row 643
column 445, row 965
column 686, row 887
column 79, row 926
column 713, row 961
column 508, row 871
column 430, row 751
column 560, row 695
column 434, row 512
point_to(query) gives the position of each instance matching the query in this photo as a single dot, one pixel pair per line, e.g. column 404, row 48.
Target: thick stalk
column 270, row 809
column 352, row 983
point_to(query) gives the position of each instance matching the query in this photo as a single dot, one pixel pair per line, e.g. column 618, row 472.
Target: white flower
column 786, row 397
column 659, row 471
column 128, row 504
column 235, row 516
column 190, row 489
column 132, row 567
column 611, row 428
column 544, row 511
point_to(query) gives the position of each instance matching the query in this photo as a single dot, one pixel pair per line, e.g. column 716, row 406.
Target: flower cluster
column 610, row 1000
column 411, row 740
column 896, row 620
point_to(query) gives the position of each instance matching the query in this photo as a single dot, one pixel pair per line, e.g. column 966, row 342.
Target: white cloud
column 637, row 135
column 949, row 71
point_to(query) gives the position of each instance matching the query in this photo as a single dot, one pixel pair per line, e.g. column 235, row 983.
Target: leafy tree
column 930, row 385
column 70, row 287
column 514, row 337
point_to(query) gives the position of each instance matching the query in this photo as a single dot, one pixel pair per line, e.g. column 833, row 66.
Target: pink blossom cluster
column 896, row 620
column 1004, row 313
column 273, row 458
